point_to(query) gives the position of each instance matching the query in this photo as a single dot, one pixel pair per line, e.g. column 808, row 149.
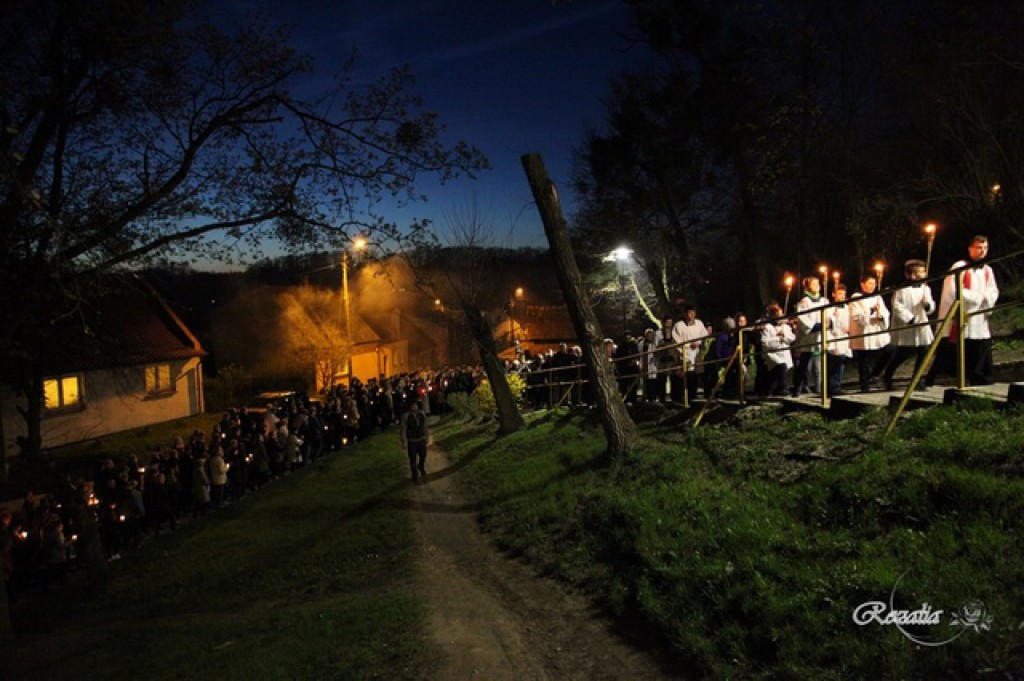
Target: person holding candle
column 911, row 333
column 689, row 332
column 776, row 338
column 838, row 338
column 807, row 373
column 980, row 294
column 869, row 321
column 217, row 469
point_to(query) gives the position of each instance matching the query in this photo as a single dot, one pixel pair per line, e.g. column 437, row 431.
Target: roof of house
column 548, row 324
column 129, row 324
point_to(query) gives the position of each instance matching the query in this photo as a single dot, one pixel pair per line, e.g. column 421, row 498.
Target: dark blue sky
column 508, row 76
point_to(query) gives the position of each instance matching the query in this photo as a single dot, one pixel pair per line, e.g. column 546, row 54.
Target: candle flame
column 930, row 228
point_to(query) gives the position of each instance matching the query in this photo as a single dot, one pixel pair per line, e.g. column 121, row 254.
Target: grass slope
column 747, row 547
column 307, row 578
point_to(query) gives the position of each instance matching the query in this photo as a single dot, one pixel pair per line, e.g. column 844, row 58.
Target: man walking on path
column 413, row 435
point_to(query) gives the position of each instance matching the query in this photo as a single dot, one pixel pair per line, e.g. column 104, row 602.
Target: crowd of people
column 682, row 358
column 201, row 472
column 685, row 358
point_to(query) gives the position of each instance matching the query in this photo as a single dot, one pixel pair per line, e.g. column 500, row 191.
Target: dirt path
column 491, row 616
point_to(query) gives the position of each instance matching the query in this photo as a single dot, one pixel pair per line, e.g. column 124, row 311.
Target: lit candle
column 879, row 270
column 929, row 230
column 823, row 270
column 788, row 281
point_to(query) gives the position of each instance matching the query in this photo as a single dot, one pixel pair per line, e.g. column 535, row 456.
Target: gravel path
column 493, row 617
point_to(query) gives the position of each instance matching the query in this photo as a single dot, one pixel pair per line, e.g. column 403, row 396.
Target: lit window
column 158, row 378
column 62, row 392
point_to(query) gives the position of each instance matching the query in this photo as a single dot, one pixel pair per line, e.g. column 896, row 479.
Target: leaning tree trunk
column 509, row 418
column 31, row 445
column 619, row 429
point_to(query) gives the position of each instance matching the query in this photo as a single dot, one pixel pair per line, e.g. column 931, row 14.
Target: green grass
column 307, row 578
column 743, row 549
column 747, row 557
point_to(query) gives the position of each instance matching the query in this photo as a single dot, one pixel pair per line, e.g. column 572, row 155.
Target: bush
column 464, row 405
column 485, row 396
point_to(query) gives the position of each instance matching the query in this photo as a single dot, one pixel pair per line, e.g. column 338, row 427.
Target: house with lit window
column 128, row 361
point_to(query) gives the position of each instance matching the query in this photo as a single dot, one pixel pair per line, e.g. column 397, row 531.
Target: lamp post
column 620, row 255
column 358, row 245
column 513, row 308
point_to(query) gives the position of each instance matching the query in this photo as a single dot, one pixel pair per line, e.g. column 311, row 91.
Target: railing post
column 743, row 378
column 929, row 356
column 961, row 363
column 823, row 377
column 686, row 383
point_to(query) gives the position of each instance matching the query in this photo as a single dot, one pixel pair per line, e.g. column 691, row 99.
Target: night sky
column 508, row 76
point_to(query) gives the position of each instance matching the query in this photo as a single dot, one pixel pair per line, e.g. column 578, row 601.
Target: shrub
column 463, row 405
column 485, row 396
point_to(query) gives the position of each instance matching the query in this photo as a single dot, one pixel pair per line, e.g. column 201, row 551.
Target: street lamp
column 358, row 245
column 513, row 308
column 620, row 255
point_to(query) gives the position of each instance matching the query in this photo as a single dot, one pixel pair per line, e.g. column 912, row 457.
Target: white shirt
column 691, row 334
column 868, row 314
column 980, row 293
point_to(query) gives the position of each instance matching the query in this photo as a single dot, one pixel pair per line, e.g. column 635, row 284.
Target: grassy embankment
column 746, row 549
column 306, row 578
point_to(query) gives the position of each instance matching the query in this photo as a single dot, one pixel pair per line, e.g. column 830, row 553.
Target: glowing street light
column 620, row 255
column 358, row 245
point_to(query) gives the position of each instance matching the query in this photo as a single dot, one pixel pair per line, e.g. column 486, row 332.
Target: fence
column 562, row 383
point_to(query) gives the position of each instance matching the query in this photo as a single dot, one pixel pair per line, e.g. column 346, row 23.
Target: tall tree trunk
column 31, row 445
column 509, row 418
column 6, row 626
column 619, row 429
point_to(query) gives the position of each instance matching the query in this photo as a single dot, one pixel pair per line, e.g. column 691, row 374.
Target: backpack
column 416, row 426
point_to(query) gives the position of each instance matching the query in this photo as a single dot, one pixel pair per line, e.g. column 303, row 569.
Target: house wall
column 113, row 400
column 394, row 359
